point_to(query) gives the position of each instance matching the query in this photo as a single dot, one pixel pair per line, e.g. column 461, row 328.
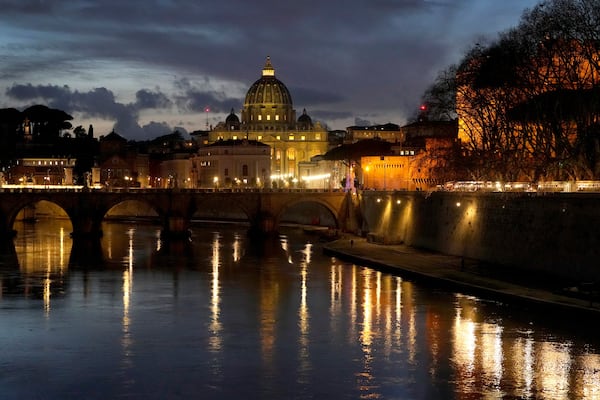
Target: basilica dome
column 268, row 103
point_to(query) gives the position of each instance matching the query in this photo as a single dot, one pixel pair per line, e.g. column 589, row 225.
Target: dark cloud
column 324, row 115
column 362, row 122
column 194, row 98
column 350, row 57
column 304, row 95
column 29, row 92
column 148, row 99
column 99, row 103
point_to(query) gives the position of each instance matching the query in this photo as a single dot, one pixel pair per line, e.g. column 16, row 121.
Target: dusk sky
column 149, row 67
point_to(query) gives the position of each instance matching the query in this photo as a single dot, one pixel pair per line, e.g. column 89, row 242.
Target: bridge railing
column 73, row 188
column 217, row 190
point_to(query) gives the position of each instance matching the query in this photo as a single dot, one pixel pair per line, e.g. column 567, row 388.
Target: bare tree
column 439, row 100
column 529, row 103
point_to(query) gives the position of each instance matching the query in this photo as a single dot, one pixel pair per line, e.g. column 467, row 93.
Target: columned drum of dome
column 268, row 104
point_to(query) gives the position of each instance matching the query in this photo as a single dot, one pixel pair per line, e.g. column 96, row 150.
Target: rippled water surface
column 223, row 318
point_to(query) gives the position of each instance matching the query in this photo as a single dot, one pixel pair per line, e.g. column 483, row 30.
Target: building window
column 291, row 154
column 302, row 137
column 278, row 137
column 268, row 117
column 234, row 137
column 291, row 137
column 277, row 117
column 317, row 136
column 244, row 170
column 259, row 137
column 226, row 172
column 260, row 117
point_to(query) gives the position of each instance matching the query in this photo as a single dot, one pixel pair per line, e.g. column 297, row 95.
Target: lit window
column 278, row 137
column 291, row 137
column 291, row 154
column 259, row 137
column 277, row 117
column 234, row 137
column 268, row 117
column 260, row 117
column 317, row 136
column 302, row 137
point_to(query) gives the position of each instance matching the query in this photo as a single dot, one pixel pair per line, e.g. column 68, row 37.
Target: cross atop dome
column 268, row 69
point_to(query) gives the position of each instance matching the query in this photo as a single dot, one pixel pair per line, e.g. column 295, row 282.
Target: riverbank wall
column 551, row 233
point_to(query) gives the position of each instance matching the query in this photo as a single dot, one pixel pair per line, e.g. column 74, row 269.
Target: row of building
column 268, row 147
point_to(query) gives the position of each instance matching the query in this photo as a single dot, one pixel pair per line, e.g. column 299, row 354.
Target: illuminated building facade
column 232, row 163
column 42, row 171
column 421, row 162
column 120, row 166
column 268, row 117
column 389, row 132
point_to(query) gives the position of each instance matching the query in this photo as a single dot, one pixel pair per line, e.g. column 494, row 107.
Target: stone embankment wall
column 553, row 233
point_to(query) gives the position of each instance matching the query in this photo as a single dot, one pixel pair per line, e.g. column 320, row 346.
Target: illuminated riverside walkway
column 87, row 208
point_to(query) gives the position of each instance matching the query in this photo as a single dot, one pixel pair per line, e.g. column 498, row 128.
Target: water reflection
column 215, row 325
column 274, row 320
column 545, row 369
column 41, row 262
column 304, row 364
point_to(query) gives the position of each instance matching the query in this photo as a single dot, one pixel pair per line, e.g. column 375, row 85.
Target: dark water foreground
column 223, row 318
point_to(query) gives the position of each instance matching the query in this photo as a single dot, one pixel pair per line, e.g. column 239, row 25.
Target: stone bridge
column 87, row 208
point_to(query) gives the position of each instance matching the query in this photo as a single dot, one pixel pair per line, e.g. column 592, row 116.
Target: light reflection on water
column 221, row 317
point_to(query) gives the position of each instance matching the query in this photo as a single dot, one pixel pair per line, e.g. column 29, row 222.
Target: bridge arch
column 32, row 208
column 222, row 208
column 134, row 208
column 307, row 216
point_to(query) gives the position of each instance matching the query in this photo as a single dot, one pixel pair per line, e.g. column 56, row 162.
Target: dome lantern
column 268, row 69
column 268, row 103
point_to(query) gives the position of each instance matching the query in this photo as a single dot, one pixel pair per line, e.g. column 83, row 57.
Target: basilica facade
column 268, row 116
